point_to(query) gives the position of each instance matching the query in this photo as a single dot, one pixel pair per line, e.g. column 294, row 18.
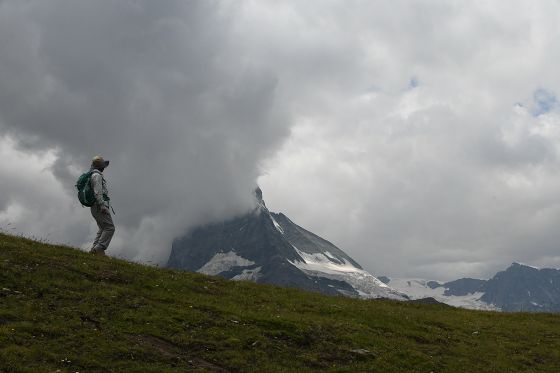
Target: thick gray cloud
column 422, row 137
column 159, row 89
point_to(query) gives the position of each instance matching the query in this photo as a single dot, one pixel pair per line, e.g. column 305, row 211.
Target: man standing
column 100, row 209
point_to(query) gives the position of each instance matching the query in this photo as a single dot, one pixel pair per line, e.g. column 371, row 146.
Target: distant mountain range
column 519, row 288
column 266, row 247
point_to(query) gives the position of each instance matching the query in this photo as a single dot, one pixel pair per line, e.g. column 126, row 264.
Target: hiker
column 100, row 207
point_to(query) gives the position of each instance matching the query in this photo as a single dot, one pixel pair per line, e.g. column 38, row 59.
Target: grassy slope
column 64, row 309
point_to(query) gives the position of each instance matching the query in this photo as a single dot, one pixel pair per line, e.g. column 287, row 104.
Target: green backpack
column 85, row 191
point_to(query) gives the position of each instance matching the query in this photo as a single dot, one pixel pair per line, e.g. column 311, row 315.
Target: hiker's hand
column 105, row 210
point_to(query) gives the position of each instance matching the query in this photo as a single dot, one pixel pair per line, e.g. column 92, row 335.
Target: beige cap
column 99, row 161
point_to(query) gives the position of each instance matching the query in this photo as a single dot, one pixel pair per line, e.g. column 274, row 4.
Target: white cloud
column 32, row 202
column 446, row 179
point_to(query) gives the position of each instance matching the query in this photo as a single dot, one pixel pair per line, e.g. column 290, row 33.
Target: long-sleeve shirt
column 100, row 191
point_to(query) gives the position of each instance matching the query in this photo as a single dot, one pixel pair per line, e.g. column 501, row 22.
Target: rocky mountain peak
column 261, row 205
column 267, row 247
column 258, row 194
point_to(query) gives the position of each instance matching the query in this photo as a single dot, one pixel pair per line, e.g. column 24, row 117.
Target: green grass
column 62, row 309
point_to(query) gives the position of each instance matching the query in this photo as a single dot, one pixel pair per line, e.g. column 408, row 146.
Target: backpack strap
column 96, row 171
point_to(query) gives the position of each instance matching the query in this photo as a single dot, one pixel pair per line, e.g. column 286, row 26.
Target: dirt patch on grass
column 199, row 363
column 162, row 346
column 7, row 319
column 173, row 351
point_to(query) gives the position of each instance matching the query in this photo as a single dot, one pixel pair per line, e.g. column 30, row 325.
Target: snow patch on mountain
column 418, row 289
column 324, row 262
column 276, row 225
column 222, row 262
column 526, row 265
column 248, row 275
column 322, row 265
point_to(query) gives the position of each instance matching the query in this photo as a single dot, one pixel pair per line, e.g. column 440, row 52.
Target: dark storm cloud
column 157, row 87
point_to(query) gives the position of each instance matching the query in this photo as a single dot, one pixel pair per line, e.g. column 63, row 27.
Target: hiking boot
column 97, row 251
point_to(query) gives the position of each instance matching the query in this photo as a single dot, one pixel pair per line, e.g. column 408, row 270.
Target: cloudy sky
column 421, row 137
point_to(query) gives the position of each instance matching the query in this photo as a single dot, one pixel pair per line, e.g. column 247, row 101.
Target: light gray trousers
column 106, row 228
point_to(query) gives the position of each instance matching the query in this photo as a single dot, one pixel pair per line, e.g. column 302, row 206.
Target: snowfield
column 418, row 289
column 328, row 266
column 223, row 262
column 248, row 275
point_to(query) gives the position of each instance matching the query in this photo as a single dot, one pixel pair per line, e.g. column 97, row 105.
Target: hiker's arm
column 97, row 184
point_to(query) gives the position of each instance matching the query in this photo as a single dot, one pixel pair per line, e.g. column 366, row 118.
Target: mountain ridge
column 520, row 287
column 268, row 247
